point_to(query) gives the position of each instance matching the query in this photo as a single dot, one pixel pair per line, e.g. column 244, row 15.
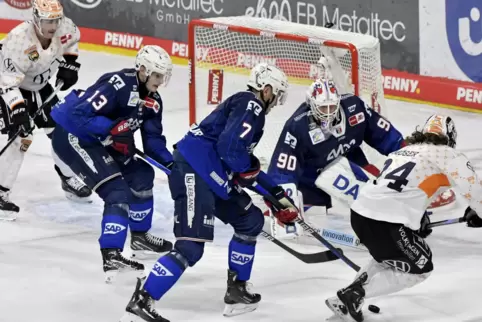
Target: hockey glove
column 247, row 178
column 68, row 72
column 121, row 139
column 424, row 231
column 21, row 119
column 289, row 213
column 472, row 219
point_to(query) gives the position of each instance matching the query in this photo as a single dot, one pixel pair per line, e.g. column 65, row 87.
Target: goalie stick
column 320, row 257
column 37, row 113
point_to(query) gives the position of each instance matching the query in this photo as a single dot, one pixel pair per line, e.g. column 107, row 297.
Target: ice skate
column 144, row 245
column 114, row 263
column 75, row 189
column 349, row 301
column 141, row 307
column 238, row 299
column 8, row 210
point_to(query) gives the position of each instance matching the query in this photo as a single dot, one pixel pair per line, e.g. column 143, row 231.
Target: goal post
column 223, row 50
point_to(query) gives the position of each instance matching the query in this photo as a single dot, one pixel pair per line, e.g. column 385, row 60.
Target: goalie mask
column 442, row 125
column 155, row 60
column 47, row 17
column 324, row 101
column 264, row 74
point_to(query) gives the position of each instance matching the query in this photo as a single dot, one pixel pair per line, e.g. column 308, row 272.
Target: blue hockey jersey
column 303, row 148
column 90, row 115
column 222, row 143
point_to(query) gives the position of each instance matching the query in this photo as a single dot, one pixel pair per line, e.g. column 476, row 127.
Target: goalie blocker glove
column 286, row 215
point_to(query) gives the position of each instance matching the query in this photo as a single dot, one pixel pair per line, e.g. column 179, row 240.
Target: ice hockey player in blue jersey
column 323, row 128
column 211, row 164
column 95, row 136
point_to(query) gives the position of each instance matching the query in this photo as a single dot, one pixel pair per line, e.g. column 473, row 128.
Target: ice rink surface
column 51, row 267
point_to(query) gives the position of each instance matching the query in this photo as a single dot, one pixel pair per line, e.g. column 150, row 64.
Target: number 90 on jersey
column 286, row 161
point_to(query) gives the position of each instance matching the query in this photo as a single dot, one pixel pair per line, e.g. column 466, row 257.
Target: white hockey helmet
column 46, row 10
column 155, row 60
column 442, row 125
column 324, row 101
column 264, row 74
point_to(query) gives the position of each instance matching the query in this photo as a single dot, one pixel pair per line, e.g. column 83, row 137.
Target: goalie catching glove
column 289, row 213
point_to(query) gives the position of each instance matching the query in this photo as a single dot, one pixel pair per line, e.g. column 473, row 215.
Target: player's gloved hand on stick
column 248, row 177
column 68, row 73
column 286, row 215
column 424, row 231
column 21, row 119
column 473, row 220
column 121, row 139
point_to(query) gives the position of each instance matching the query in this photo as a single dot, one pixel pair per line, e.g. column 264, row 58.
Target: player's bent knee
column 142, row 194
column 192, row 251
column 144, row 177
column 115, row 191
column 250, row 224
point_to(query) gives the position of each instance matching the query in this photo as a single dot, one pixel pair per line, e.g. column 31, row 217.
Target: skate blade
column 239, row 308
column 74, row 198
column 146, row 255
column 129, row 317
column 114, row 276
column 8, row 215
column 339, row 309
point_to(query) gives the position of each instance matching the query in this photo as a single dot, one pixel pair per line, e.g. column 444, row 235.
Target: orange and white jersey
column 25, row 64
column 413, row 176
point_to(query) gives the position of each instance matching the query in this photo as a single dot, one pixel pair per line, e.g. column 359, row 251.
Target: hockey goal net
column 223, row 50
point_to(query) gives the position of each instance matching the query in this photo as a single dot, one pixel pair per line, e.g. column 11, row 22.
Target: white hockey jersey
column 413, row 176
column 25, row 64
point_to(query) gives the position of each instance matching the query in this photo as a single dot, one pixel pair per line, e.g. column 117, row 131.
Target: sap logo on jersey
column 113, row 228
column 464, row 34
column 343, row 184
column 139, row 215
column 240, row 259
column 160, row 270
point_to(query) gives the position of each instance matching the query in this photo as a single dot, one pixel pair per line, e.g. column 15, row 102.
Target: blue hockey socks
column 241, row 256
column 140, row 214
column 165, row 273
column 114, row 227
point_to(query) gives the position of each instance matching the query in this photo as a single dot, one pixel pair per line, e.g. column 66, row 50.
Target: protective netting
column 236, row 52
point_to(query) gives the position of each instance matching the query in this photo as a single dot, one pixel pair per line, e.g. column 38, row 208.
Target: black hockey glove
column 68, row 72
column 288, row 213
column 472, row 219
column 121, row 139
column 248, row 177
column 424, row 231
column 21, row 119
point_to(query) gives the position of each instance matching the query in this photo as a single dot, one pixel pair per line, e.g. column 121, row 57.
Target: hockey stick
column 37, row 113
column 447, row 222
column 336, row 251
column 314, row 258
column 144, row 157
